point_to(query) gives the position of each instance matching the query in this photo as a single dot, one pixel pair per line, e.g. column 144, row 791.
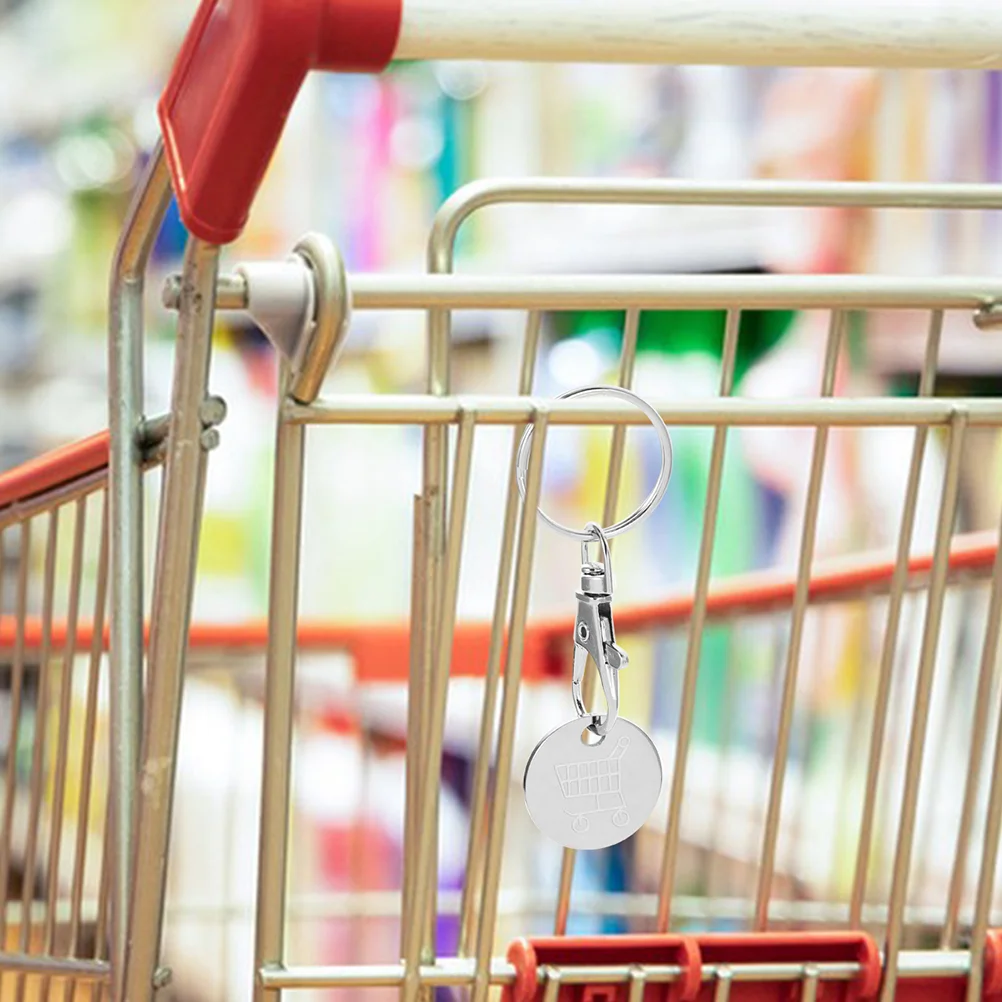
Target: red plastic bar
column 233, row 84
column 54, row 469
column 846, row 578
column 379, row 651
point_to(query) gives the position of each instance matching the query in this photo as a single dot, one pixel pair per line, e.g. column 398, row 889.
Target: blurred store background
column 368, row 161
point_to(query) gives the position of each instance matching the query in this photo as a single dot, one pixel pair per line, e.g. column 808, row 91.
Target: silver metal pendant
column 589, row 796
column 595, row 780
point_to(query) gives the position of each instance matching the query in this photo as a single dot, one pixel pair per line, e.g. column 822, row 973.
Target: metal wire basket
column 848, row 937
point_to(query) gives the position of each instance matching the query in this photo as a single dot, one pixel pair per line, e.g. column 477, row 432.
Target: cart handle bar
column 243, row 62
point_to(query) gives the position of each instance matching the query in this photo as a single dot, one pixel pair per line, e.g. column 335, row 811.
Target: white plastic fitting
column 281, row 301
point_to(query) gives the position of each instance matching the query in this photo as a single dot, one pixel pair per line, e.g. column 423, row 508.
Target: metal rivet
column 212, row 411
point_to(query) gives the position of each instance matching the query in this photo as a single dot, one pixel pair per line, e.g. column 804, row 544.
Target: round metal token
column 588, row 796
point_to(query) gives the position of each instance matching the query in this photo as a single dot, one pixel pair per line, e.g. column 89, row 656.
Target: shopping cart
column 594, row 788
column 231, row 90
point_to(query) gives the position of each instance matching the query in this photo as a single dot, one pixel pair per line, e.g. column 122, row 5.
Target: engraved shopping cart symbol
column 595, row 788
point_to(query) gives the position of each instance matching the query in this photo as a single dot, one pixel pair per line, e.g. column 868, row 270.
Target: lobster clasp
column 595, row 635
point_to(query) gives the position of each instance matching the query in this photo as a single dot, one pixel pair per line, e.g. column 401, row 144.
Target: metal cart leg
column 279, row 701
column 125, row 499
column 177, row 544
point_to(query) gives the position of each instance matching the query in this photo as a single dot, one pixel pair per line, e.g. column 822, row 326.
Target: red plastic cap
column 233, row 83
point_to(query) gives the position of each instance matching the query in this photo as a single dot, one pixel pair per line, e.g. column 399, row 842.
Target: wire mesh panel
column 787, row 805
column 53, row 841
column 805, row 810
column 58, row 852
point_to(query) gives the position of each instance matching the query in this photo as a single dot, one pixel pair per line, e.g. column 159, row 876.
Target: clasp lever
column 595, row 635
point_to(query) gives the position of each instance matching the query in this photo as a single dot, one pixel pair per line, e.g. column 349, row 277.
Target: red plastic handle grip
column 233, row 82
column 529, row 955
column 690, row 953
column 794, row 948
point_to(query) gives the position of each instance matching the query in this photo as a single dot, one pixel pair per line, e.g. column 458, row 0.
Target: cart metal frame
column 146, row 703
column 439, row 533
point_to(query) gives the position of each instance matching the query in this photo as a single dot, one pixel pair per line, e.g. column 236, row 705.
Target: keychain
column 593, row 781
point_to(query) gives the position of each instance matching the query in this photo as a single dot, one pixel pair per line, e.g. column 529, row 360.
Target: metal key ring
column 652, row 499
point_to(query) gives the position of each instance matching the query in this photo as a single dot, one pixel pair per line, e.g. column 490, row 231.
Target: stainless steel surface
column 478, row 195
column 627, row 365
column 280, row 677
column 608, row 292
column 37, row 777
column 437, row 551
column 415, row 704
column 231, row 292
column 920, row 710
column 990, row 844
column 24, row 511
column 553, row 984
column 22, row 964
column 125, row 497
column 889, row 645
column 657, row 491
column 988, row 317
column 638, row 983
column 696, row 623
column 177, row 546
column 16, row 698
column 104, row 894
column 662, row 292
column 492, row 674
column 839, row 293
column 434, row 493
column 333, row 309
column 594, row 637
column 807, row 540
column 475, row 196
column 89, row 740
column 59, row 767
column 459, row 971
column 722, row 990
column 740, row 412
column 592, row 795
column 569, row 292
column 425, row 887
column 979, row 724
column 509, row 706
